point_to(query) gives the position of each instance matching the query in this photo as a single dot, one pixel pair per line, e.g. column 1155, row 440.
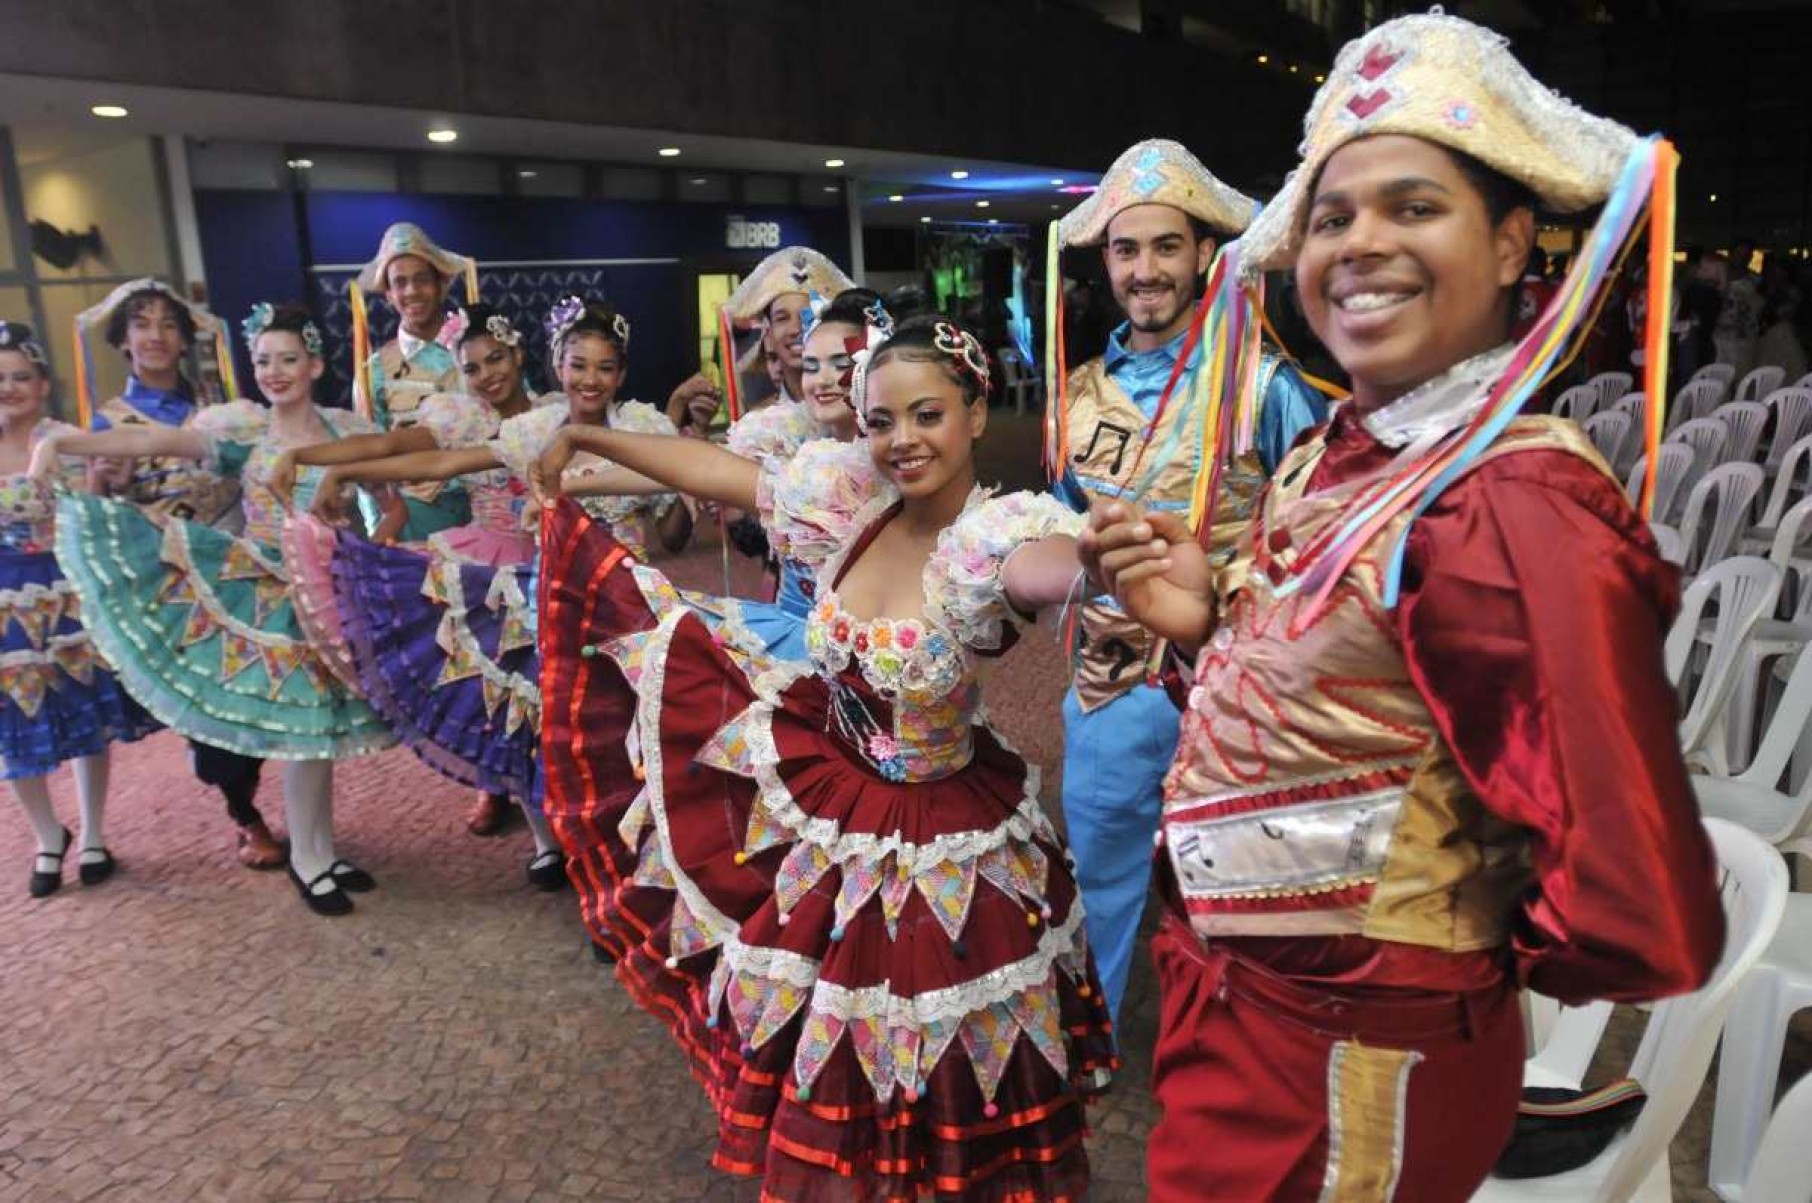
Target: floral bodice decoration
column 523, row 439
column 459, row 421
column 28, row 510
column 241, row 445
column 817, row 507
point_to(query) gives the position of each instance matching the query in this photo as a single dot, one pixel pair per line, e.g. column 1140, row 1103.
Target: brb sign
column 751, row 235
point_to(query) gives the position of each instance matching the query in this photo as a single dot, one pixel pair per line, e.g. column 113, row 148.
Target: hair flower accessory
column 963, row 347
column 264, row 313
column 499, row 328
column 561, row 318
column 620, row 326
column 257, row 321
column 18, row 338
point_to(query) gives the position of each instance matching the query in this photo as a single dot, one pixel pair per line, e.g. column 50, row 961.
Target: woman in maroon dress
column 831, row 879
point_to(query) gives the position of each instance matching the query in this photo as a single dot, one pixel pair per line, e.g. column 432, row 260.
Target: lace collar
column 1442, row 404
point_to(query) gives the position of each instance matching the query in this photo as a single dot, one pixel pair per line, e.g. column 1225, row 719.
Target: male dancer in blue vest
column 1158, row 216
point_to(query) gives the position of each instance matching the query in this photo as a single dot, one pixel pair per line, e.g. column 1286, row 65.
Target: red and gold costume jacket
column 1403, row 796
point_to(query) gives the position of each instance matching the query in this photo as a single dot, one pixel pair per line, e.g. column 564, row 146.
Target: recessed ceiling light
column 1054, row 208
column 1714, row 198
column 669, row 152
column 108, row 110
column 925, row 221
column 896, row 198
column 959, row 175
column 1056, row 183
column 833, row 162
column 1292, row 68
column 1321, row 79
column 830, row 187
column 699, row 179
column 1263, row 59
column 981, row 204
column 994, row 221
column 443, row 135
column 526, row 174
column 300, row 164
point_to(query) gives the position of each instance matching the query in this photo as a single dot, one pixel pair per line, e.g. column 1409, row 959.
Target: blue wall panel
column 254, row 251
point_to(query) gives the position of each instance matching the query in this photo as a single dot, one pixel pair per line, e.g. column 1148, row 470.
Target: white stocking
column 308, row 806
column 91, row 773
column 537, row 825
column 34, row 799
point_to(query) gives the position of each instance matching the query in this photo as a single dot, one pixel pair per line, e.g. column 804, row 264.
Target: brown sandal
column 259, row 849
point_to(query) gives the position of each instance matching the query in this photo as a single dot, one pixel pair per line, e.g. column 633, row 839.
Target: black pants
column 235, row 775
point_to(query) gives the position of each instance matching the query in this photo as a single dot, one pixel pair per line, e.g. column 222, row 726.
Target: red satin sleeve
column 1533, row 610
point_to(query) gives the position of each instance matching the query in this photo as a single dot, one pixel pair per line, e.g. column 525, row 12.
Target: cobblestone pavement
column 188, row 1031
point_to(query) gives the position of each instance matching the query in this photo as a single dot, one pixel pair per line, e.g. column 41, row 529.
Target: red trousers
column 1274, row 1089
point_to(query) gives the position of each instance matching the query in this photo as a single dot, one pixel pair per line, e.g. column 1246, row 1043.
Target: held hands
column 1152, row 565
column 694, row 403
column 44, row 462
column 545, row 483
column 282, row 482
column 330, row 496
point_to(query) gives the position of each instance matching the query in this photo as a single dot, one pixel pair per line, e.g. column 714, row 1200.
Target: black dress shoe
column 95, row 872
column 331, row 902
column 44, row 884
column 548, row 871
column 349, row 876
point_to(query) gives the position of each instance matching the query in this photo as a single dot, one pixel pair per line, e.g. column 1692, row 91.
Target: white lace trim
column 1439, row 406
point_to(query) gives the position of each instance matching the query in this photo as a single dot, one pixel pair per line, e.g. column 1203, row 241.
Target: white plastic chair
column 1017, row 380
column 1759, row 383
column 1794, row 478
column 1745, row 588
column 1673, row 548
column 1636, row 406
column 1774, row 637
column 1779, row 987
column 1782, row 1172
column 1677, row 1045
column 1744, row 420
column 1804, row 381
column 1674, row 461
column 1706, row 437
column 1608, row 431
column 1733, row 488
column 1753, row 799
column 1792, row 419
column 1723, row 373
column 1610, row 386
column 1577, row 403
column 1696, row 399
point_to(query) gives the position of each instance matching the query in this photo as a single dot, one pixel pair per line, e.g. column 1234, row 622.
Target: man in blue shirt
column 1157, row 216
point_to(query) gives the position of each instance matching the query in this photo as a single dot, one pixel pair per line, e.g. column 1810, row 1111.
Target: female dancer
column 772, row 434
column 443, row 644
column 490, row 354
column 1431, row 750
column 830, row 878
column 57, row 701
column 200, row 626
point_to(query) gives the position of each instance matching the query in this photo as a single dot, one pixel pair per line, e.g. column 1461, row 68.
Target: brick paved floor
column 189, row 1031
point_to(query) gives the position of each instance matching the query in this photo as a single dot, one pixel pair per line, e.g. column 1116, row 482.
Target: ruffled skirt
column 201, row 629
column 58, row 701
column 884, row 987
column 441, row 648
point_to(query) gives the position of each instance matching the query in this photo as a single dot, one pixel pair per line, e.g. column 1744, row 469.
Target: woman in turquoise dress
column 200, row 625
column 58, row 702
